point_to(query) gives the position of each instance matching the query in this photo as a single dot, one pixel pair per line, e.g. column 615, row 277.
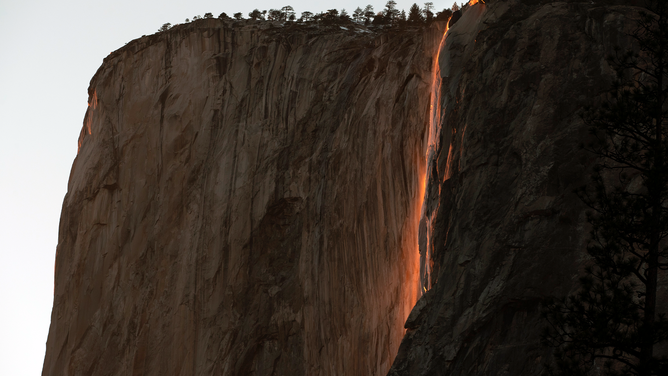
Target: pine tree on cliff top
column 613, row 324
column 415, row 14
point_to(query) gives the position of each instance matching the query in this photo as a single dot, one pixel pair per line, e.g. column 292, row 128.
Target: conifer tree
column 415, row 14
column 613, row 325
column 288, row 12
column 391, row 12
column 428, row 11
column 358, row 15
column 368, row 14
column 254, row 15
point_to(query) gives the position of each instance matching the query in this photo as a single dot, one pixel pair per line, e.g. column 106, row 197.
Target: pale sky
column 49, row 51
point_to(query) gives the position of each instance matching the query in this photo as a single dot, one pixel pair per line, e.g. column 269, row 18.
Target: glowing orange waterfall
column 414, row 289
column 435, row 120
column 434, row 130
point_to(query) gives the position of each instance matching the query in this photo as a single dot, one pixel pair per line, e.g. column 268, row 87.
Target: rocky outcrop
column 246, row 197
column 502, row 225
column 245, row 200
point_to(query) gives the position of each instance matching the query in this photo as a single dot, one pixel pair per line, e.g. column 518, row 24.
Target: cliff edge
column 244, row 201
column 248, row 197
column 502, row 227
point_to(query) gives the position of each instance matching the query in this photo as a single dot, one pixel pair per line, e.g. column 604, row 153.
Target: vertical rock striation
column 505, row 228
column 244, row 201
column 246, row 196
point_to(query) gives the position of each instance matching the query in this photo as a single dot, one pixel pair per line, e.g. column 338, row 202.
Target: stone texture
column 503, row 226
column 245, row 200
column 246, row 196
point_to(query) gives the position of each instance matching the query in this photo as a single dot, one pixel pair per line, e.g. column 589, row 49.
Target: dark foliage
column 255, row 15
column 613, row 322
column 380, row 19
column 415, row 15
column 427, row 11
column 368, row 14
column 391, row 13
column 443, row 15
column 390, row 16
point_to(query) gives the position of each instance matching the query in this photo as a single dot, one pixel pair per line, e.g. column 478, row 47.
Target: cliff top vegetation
column 389, row 17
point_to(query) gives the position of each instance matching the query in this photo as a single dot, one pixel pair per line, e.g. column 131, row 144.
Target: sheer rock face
column 244, row 201
column 506, row 229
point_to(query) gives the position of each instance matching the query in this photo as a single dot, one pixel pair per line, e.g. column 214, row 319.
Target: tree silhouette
column 427, row 11
column 289, row 13
column 306, row 16
column 380, row 19
column 275, row 15
column 330, row 17
column 613, row 321
column 358, row 15
column 255, row 14
column 391, row 12
column 415, row 14
column 369, row 15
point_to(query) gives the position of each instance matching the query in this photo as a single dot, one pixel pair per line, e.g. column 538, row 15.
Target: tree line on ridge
column 390, row 16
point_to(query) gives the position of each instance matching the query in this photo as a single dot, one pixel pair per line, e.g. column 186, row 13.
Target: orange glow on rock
column 89, row 114
column 435, row 108
column 435, row 124
column 413, row 273
column 417, row 290
column 93, row 100
column 424, row 279
column 88, row 119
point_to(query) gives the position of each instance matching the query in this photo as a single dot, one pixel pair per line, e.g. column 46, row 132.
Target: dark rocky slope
column 504, row 228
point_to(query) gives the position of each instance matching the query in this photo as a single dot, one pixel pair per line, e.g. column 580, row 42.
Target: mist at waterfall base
column 50, row 52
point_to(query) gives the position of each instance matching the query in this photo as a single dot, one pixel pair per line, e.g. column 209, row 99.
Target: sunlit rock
column 247, row 196
column 245, row 201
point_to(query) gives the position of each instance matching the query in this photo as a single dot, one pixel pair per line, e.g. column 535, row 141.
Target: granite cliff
column 245, row 200
column 248, row 197
column 502, row 228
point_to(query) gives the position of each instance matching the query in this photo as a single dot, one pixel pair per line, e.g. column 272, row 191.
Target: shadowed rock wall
column 244, row 201
column 506, row 229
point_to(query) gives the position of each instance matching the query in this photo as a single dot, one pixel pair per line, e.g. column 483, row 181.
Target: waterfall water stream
column 427, row 214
